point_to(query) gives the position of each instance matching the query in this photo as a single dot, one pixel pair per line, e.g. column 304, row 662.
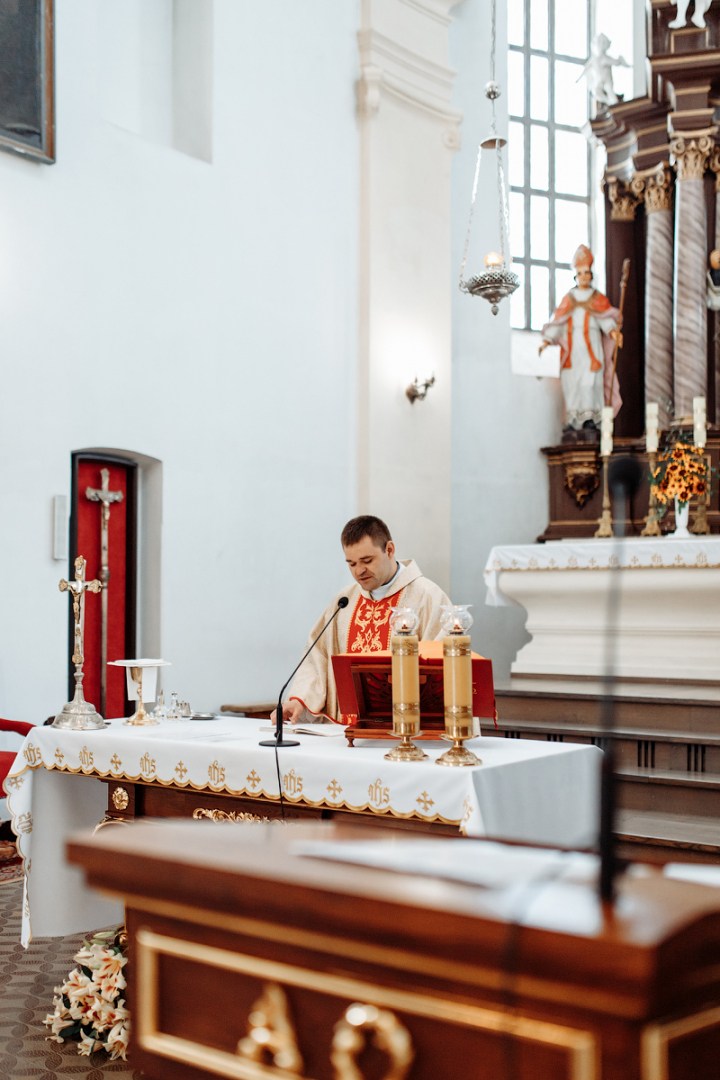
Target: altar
column 537, row 792
column 669, row 620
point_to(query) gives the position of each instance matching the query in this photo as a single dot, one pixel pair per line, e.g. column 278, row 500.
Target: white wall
column 204, row 315
column 500, row 420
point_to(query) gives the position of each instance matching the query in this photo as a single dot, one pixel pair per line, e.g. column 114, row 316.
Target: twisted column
column 655, row 186
column 691, row 150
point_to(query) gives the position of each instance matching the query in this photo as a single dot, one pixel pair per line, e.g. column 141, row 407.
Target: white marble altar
column 669, row 623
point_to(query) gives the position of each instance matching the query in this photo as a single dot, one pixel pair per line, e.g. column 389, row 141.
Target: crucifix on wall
column 105, row 497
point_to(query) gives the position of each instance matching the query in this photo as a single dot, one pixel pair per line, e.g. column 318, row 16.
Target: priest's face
column 370, row 565
column 583, row 276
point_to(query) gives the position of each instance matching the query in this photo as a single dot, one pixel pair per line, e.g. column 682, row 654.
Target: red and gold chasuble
column 369, row 630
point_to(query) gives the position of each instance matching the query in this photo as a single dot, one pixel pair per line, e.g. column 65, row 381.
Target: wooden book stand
column 364, row 687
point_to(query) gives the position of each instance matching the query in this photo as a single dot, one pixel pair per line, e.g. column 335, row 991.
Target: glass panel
column 516, row 154
column 571, row 99
column 539, row 24
column 517, row 224
column 571, row 156
column 564, row 281
column 539, row 157
column 539, row 227
column 516, row 83
column 538, row 88
column 516, row 22
column 571, row 28
column 517, row 300
column 571, row 228
column 539, row 296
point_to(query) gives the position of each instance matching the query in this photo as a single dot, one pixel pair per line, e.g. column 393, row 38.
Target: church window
column 549, row 162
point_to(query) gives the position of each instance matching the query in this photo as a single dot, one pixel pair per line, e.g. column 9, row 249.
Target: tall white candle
column 651, row 427
column 606, row 431
column 699, row 422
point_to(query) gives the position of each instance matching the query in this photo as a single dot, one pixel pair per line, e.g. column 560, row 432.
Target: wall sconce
column 417, row 391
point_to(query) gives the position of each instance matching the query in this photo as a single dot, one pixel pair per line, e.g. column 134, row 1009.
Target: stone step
column 671, row 711
column 660, row 837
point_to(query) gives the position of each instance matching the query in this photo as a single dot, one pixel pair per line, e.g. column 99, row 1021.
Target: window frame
column 527, row 260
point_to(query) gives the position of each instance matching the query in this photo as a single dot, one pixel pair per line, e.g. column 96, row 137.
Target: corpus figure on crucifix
column 79, row 714
column 586, row 327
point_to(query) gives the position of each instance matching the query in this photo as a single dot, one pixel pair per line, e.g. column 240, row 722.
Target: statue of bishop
column 586, row 327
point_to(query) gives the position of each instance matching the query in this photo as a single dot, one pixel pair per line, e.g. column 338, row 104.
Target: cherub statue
column 598, row 70
column 698, row 15
column 713, row 281
column 586, row 327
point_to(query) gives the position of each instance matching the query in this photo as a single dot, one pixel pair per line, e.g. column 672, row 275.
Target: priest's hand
column 292, row 711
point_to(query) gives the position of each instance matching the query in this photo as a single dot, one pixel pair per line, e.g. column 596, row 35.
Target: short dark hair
column 365, row 525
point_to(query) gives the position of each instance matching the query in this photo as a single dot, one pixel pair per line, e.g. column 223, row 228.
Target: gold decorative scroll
column 691, row 150
column 655, row 186
column 623, row 200
column 232, row 815
column 388, row 1033
column 271, row 1033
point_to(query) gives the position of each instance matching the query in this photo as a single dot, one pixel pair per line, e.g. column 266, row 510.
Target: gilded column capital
column 715, row 166
column 623, row 200
column 691, row 150
column 655, row 187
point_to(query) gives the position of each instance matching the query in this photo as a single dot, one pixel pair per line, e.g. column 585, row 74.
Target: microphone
column 278, row 740
column 624, row 476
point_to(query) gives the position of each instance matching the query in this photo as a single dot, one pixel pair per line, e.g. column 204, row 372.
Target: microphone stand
column 278, row 740
column 624, row 481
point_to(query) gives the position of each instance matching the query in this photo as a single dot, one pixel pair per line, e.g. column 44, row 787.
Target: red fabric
column 369, row 629
column 88, row 544
column 6, row 759
column 17, row 726
column 8, row 756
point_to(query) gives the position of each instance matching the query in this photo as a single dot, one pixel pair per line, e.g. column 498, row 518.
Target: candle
column 651, row 427
column 405, row 684
column 457, row 670
column 606, row 431
column 699, row 422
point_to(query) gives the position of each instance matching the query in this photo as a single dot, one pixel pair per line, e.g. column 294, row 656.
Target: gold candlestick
column 140, row 718
column 605, row 526
column 652, row 527
column 405, row 686
column 458, row 687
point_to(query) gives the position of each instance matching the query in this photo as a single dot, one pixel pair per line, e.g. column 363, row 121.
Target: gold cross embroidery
column 180, row 770
column 334, row 789
column 425, row 802
column 253, row 779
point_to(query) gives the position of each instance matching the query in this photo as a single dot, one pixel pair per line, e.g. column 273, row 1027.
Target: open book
column 328, row 730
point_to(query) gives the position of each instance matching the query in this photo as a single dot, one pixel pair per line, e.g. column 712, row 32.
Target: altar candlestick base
column 78, row 715
column 458, row 755
column 406, row 750
column 605, row 522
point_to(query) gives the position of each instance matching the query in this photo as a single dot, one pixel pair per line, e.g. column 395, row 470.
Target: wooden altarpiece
column 364, row 686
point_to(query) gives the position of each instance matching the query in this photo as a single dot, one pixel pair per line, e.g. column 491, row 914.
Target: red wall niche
column 122, row 541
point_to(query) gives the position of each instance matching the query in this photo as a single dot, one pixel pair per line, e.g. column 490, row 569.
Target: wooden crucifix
column 105, row 497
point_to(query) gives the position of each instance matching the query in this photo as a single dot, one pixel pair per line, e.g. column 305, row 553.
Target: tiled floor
column 27, row 978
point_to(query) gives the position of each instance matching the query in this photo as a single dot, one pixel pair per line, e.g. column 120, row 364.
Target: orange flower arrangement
column 681, row 473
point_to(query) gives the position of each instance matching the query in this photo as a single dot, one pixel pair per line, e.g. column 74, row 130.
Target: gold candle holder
column 458, row 687
column 140, row 718
column 405, row 686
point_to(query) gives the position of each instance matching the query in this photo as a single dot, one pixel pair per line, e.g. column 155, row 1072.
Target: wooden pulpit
column 250, row 960
column 364, row 688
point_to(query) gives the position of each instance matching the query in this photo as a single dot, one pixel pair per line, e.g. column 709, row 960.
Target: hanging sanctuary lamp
column 498, row 280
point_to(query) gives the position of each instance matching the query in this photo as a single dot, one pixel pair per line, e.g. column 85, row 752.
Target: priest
column 382, row 583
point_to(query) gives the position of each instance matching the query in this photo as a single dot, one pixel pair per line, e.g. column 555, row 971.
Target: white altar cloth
column 525, row 790
column 670, row 613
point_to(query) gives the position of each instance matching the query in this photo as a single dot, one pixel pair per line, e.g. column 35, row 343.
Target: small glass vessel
column 173, row 712
column 456, row 618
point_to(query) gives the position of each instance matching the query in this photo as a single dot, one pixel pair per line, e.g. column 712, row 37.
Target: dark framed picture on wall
column 27, row 78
